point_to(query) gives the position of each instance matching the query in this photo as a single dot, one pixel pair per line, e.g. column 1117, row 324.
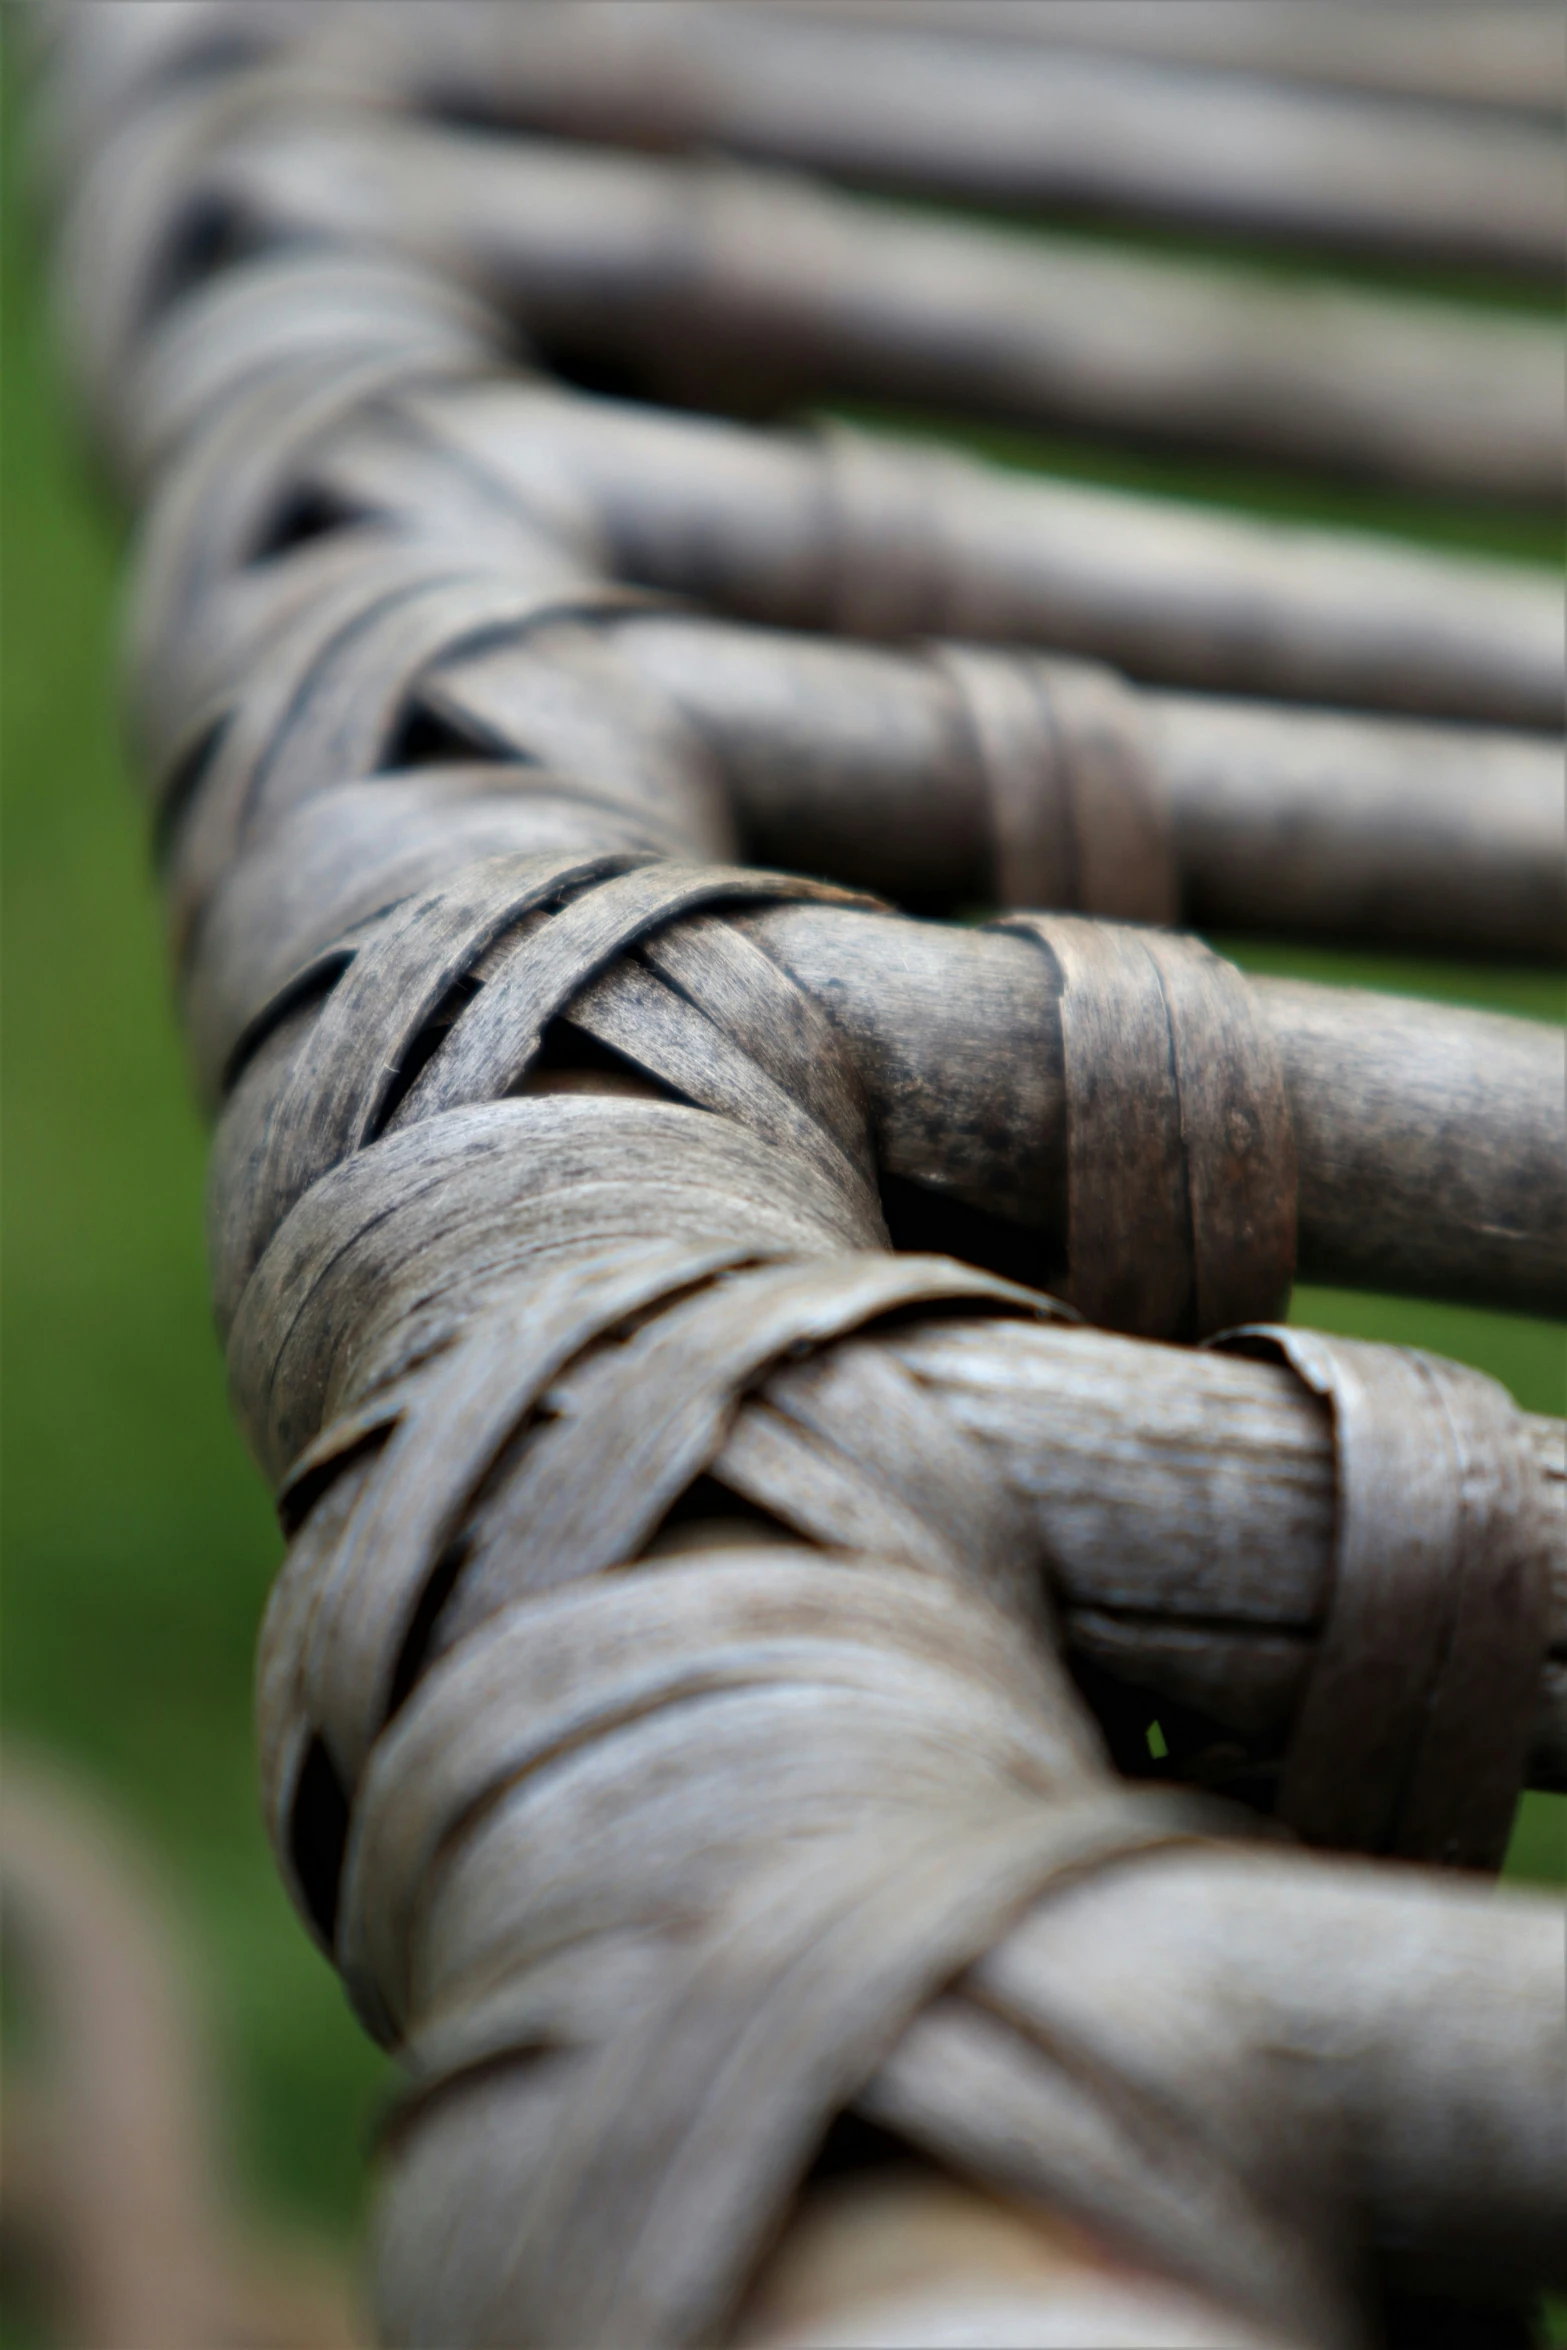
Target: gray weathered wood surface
column 723, row 286
column 1429, row 1140
column 840, row 530
column 698, row 1702
column 1105, row 107
column 1505, row 55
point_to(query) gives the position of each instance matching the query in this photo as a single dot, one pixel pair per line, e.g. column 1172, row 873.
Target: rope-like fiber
column 663, row 1707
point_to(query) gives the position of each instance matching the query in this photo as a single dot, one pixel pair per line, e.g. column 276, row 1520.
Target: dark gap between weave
column 414, row 1653
column 421, row 1049
column 299, row 1498
column 189, row 774
column 1426, row 2321
column 565, row 1049
column 422, row 737
column 707, row 1502
column 854, row 2145
column 312, row 987
column 318, row 1837
column 1198, row 1751
column 925, row 1221
column 213, row 236
column 311, row 513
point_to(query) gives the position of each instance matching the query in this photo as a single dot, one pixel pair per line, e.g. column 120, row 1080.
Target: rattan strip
column 662, row 1706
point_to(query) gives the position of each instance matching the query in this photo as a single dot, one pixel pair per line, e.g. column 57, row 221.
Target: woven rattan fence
column 726, row 1344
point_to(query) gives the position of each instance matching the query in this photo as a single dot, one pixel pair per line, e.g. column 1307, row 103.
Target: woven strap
column 721, row 2093
column 663, row 1720
column 1412, row 1733
column 1078, row 815
column 1180, row 1155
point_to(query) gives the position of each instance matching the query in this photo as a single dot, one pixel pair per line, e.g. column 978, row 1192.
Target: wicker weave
column 726, row 1593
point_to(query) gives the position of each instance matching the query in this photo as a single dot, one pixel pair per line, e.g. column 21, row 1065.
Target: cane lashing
column 664, row 1710
column 1408, row 1735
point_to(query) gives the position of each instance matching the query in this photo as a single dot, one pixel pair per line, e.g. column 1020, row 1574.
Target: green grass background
column 137, row 1542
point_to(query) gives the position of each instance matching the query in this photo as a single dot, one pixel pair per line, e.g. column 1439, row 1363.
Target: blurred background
column 137, row 1540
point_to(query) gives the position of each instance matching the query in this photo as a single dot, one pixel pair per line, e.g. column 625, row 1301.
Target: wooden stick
column 725, row 288
column 1395, row 1104
column 878, row 769
column 1262, row 1952
column 1305, row 1961
column 952, row 777
column 1320, row 825
column 1510, row 56
column 1430, row 1140
column 1109, row 110
column 114, row 2190
column 1187, row 1504
column 1386, row 1093
column 139, row 2251
column 882, row 538
column 660, row 1720
column 841, row 531
column 1063, row 121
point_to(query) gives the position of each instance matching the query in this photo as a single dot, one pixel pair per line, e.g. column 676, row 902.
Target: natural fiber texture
column 1180, row 1158
column 1430, row 1162
column 665, row 1712
column 978, row 117
column 1439, row 1593
column 734, row 288
column 1509, row 57
column 1023, row 779
column 838, row 529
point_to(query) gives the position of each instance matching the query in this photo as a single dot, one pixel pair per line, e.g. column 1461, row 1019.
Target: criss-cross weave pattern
column 699, row 1320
